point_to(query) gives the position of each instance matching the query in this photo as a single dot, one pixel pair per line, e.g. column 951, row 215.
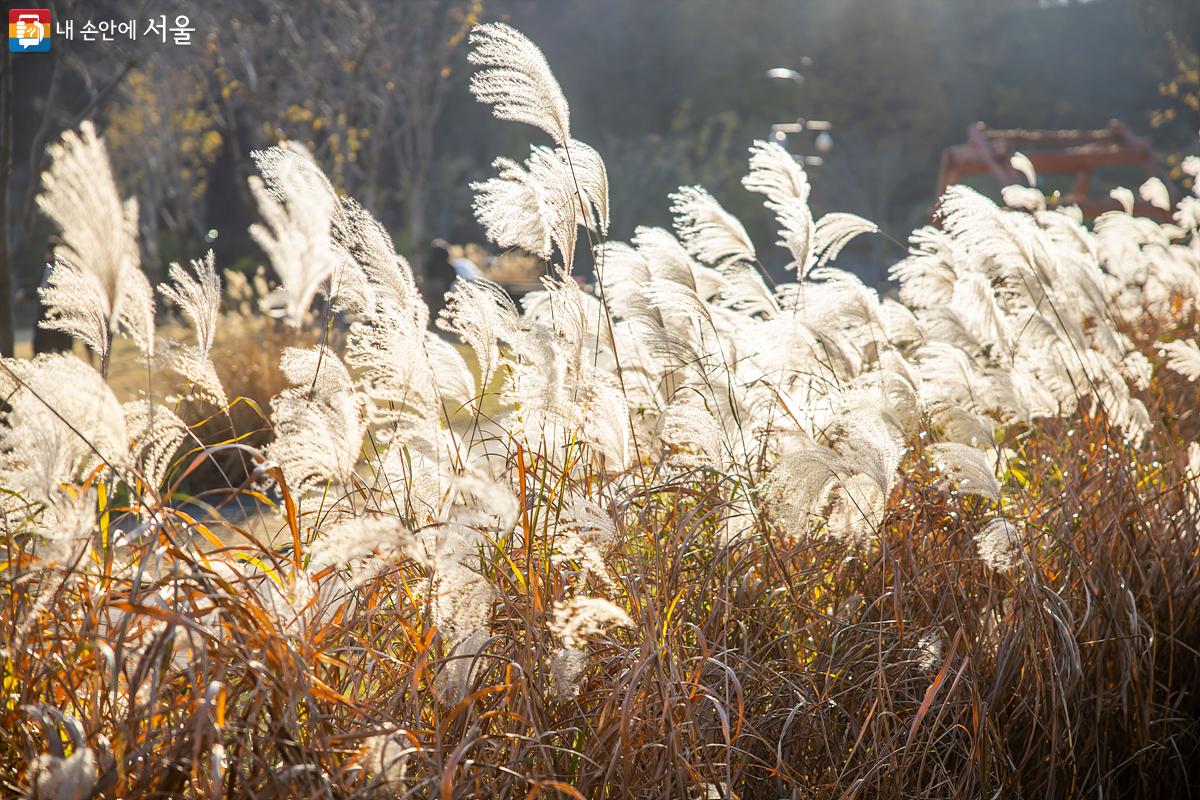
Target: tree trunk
column 417, row 208
column 6, row 147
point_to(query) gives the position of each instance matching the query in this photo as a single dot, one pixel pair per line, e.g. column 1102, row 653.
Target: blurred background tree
column 671, row 92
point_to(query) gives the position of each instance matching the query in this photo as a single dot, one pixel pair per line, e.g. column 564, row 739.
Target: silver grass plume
column 693, row 435
column 519, row 208
column 1027, row 198
column 382, row 276
column 583, row 532
column 1021, row 163
column 540, row 205
column 64, row 778
column 671, row 262
column 970, row 469
column 62, row 417
column 198, row 295
column 157, row 433
column 516, row 80
column 775, row 173
column 64, row 529
column 1183, row 356
column 928, row 652
column 709, row 232
column 480, row 313
column 927, row 276
column 1123, row 196
column 840, row 486
column 367, row 545
column 96, row 287
column 404, row 371
column 319, row 422
column 833, row 232
column 297, row 204
column 591, row 177
column 999, row 544
column 1155, row 192
column 575, row 620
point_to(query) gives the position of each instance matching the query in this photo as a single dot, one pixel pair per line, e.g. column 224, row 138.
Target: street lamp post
column 823, row 141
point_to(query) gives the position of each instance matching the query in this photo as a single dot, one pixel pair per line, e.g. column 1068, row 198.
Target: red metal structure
column 1064, row 151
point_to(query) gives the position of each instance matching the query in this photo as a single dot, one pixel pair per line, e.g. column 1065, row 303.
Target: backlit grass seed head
column 96, row 286
column 516, row 80
column 999, row 544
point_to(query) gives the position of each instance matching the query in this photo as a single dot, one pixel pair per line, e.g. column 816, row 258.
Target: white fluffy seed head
column 516, row 80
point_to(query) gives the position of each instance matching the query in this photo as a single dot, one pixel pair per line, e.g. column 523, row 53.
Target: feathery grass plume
column 747, row 292
column 591, row 177
column 834, row 231
column 584, row 531
column 548, row 376
column 297, row 204
column 605, row 427
column 598, row 411
column 974, row 309
column 671, row 262
column 776, row 174
column 65, row 527
column 709, row 232
column 1125, row 197
column 1183, row 356
column 199, row 298
column 927, row 276
column 999, row 544
column 1054, row 300
column 452, row 376
column 366, row 544
column 693, row 435
column 405, row 372
column 1155, row 192
column 96, row 287
column 1021, row 163
column 1010, row 242
column 64, row 778
column 900, row 324
column 386, row 759
column 61, row 417
column 575, row 620
column 541, row 204
column 460, row 596
column 928, row 652
column 842, row 486
column 516, row 210
column 319, row 422
column 157, row 433
column 480, row 313
column 380, row 270
column 1025, row 198
column 516, row 80
column 969, row 468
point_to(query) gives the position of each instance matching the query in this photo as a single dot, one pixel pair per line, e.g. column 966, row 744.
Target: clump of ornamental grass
column 694, row 534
